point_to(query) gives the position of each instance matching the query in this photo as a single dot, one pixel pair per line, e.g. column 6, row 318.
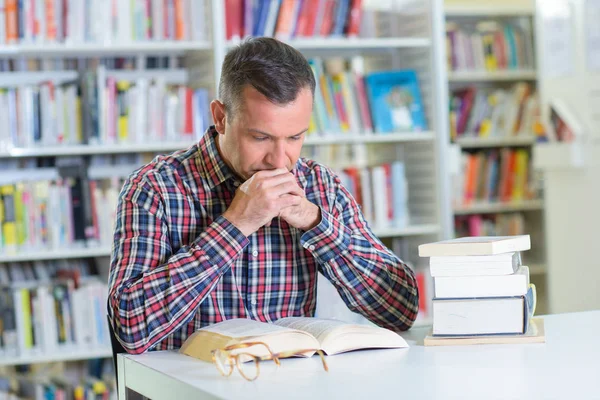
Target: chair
column 117, row 348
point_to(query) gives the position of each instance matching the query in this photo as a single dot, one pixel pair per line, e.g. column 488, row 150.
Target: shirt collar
column 214, row 169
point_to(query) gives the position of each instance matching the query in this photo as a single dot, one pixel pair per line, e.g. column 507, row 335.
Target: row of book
column 65, row 213
column 286, row 19
column 349, row 101
column 56, row 387
column 381, row 191
column 100, row 21
column 503, row 224
column 484, row 112
column 102, row 110
column 481, row 287
column 489, row 45
column 498, row 175
column 62, row 311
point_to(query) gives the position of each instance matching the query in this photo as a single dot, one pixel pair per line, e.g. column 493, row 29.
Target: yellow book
column 288, row 335
column 520, row 179
column 9, row 226
column 27, row 326
column 78, row 122
column 123, row 110
column 488, row 50
column 20, row 215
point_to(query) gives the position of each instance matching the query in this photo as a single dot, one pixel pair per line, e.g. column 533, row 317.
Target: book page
column 319, row 328
column 241, row 327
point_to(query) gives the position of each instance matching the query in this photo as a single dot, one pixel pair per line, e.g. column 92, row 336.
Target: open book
column 290, row 334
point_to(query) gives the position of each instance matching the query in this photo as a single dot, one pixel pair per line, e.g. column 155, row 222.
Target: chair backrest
column 117, row 348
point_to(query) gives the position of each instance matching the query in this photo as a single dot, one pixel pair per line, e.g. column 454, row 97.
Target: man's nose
column 277, row 157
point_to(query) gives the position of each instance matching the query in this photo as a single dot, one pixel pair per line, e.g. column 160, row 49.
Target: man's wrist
column 315, row 217
column 246, row 230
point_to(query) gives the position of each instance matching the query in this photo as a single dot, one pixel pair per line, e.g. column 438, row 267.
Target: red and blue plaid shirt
column 178, row 265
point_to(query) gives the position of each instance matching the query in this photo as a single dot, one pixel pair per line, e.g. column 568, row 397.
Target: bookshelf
column 492, row 76
column 416, row 45
column 503, row 72
column 62, row 356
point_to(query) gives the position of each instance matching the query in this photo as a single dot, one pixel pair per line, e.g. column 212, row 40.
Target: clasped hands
column 270, row 194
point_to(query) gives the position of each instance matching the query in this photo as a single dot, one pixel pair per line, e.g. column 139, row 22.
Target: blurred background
column 444, row 119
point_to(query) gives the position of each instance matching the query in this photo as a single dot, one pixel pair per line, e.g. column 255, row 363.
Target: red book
column 354, row 17
column 234, row 19
column 188, row 128
column 328, row 18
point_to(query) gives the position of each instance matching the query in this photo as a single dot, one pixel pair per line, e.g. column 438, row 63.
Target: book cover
column 395, row 101
column 483, row 245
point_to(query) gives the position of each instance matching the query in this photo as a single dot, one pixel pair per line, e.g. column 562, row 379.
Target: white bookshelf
column 15, row 79
column 489, row 9
column 492, row 76
column 411, row 230
column 55, row 254
column 467, row 142
column 357, row 44
column 84, row 149
column 417, row 46
column 499, row 207
column 521, row 12
column 315, row 140
column 59, row 356
column 98, row 50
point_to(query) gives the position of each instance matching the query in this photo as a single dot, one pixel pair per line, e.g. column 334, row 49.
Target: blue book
column 395, row 101
column 341, row 16
column 261, row 21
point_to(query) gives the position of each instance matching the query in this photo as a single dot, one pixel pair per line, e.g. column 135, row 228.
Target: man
column 237, row 226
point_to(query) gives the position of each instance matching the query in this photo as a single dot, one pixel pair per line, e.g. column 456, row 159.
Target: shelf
column 484, row 9
column 492, row 76
column 60, row 254
column 62, row 355
column 84, row 149
column 411, row 230
column 171, row 76
column 16, row 79
column 353, row 43
column 97, row 50
column 490, row 208
column 482, row 142
column 315, row 140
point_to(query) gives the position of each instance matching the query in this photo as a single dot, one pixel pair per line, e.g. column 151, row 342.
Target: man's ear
column 217, row 109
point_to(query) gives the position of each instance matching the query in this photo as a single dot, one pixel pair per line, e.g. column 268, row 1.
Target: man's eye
column 260, row 138
column 296, row 137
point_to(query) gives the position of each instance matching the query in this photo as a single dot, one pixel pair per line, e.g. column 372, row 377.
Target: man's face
column 265, row 136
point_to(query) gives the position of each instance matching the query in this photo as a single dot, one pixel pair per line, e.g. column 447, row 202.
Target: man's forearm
column 162, row 291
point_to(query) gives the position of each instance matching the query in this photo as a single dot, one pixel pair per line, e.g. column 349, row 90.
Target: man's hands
column 269, row 194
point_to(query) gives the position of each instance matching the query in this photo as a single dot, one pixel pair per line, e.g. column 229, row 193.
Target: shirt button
column 255, row 253
column 311, row 247
column 253, row 302
column 236, row 184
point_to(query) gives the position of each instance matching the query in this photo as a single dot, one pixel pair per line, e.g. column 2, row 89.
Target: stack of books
column 482, row 290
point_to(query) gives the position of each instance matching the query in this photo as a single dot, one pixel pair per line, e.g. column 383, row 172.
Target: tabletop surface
column 566, row 366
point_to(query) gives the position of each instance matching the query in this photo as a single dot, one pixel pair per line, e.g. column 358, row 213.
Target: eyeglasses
column 248, row 364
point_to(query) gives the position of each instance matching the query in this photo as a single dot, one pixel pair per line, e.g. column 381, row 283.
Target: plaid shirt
column 178, row 265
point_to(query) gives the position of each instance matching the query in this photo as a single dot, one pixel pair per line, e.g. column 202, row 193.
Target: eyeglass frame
column 235, row 361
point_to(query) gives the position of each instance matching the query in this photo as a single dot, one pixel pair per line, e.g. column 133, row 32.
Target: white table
column 567, row 366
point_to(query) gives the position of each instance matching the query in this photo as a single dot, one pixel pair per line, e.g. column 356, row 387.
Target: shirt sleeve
column 155, row 289
column 371, row 280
